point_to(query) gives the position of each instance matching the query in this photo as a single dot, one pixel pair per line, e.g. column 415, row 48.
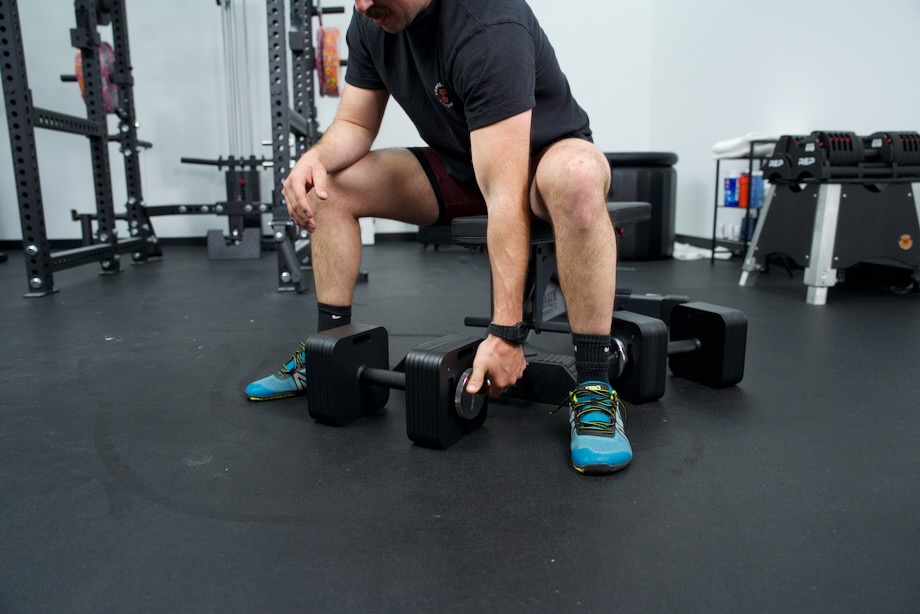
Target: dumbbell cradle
column 348, row 377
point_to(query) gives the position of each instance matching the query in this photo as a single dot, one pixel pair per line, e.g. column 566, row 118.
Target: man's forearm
column 342, row 144
column 350, row 135
column 501, row 157
column 509, row 251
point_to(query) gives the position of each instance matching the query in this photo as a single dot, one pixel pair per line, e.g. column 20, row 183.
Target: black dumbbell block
column 434, row 370
column 646, row 342
column 548, row 378
column 841, row 148
column 654, row 305
column 335, row 393
column 718, row 336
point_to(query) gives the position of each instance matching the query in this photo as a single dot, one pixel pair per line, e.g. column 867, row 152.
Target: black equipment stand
column 102, row 245
column 242, row 208
column 836, row 200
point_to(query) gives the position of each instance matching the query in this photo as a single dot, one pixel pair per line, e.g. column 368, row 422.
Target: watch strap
column 516, row 334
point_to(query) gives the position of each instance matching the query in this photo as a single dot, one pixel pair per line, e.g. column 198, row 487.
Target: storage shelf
column 750, row 213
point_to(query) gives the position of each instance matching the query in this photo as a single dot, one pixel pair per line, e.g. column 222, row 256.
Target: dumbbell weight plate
column 468, row 405
column 722, row 335
column 334, row 393
column 641, row 377
column 433, row 372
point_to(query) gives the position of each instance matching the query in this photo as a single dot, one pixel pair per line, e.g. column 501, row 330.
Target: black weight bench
column 544, row 309
column 549, row 377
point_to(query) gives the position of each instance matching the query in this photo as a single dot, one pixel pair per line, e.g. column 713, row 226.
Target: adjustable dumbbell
column 705, row 344
column 348, row 377
column 824, row 155
column 848, row 149
column 902, row 148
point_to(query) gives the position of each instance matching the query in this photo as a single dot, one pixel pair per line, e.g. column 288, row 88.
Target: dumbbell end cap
column 466, row 404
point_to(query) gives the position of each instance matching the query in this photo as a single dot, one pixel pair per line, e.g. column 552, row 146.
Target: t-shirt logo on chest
column 443, row 94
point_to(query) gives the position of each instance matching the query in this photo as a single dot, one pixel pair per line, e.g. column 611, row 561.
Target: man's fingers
column 477, row 377
column 319, row 182
column 305, row 176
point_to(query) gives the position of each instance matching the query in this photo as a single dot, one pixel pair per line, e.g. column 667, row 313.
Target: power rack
column 104, row 245
column 294, row 129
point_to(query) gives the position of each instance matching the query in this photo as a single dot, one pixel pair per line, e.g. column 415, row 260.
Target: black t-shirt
column 463, row 65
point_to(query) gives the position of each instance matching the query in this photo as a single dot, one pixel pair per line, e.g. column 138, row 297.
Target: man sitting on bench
column 480, row 81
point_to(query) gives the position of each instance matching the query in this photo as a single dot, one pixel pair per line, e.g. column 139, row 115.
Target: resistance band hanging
column 106, row 68
column 327, row 57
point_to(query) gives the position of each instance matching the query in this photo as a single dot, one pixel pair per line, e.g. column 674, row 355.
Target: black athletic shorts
column 460, row 198
column 455, row 198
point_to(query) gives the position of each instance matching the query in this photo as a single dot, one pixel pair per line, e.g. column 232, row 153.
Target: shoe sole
column 277, row 397
column 599, row 469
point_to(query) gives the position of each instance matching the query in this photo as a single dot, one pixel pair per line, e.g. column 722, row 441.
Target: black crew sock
column 592, row 355
column 331, row 316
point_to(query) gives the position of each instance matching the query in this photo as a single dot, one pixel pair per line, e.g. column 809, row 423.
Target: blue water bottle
column 757, row 189
column 730, row 198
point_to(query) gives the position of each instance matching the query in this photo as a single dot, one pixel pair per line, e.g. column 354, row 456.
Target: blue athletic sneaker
column 290, row 381
column 599, row 443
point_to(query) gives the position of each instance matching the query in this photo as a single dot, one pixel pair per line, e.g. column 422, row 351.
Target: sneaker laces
column 608, row 404
column 297, row 359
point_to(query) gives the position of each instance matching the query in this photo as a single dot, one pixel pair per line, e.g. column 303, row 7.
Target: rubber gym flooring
column 136, row 478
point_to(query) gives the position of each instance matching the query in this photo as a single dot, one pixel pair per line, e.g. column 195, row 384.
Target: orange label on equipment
column 906, row 242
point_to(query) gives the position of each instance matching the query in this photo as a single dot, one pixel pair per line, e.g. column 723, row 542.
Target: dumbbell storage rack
column 834, row 203
column 104, row 245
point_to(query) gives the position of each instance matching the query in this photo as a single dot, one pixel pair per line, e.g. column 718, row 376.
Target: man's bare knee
column 584, row 202
column 572, row 181
column 345, row 198
column 324, row 209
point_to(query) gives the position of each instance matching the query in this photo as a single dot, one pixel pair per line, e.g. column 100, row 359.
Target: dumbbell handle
column 383, row 377
column 620, row 354
column 683, row 346
column 680, row 346
column 466, row 405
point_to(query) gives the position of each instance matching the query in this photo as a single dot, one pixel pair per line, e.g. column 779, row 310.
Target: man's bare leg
column 388, row 184
column 570, row 191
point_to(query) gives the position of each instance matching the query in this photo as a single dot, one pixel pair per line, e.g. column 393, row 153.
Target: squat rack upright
column 23, row 117
column 293, row 112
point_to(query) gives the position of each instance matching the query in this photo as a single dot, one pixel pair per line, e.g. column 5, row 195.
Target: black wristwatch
column 516, row 334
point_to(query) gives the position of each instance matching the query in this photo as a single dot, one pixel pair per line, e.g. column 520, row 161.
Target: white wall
column 724, row 68
column 603, row 47
column 663, row 75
